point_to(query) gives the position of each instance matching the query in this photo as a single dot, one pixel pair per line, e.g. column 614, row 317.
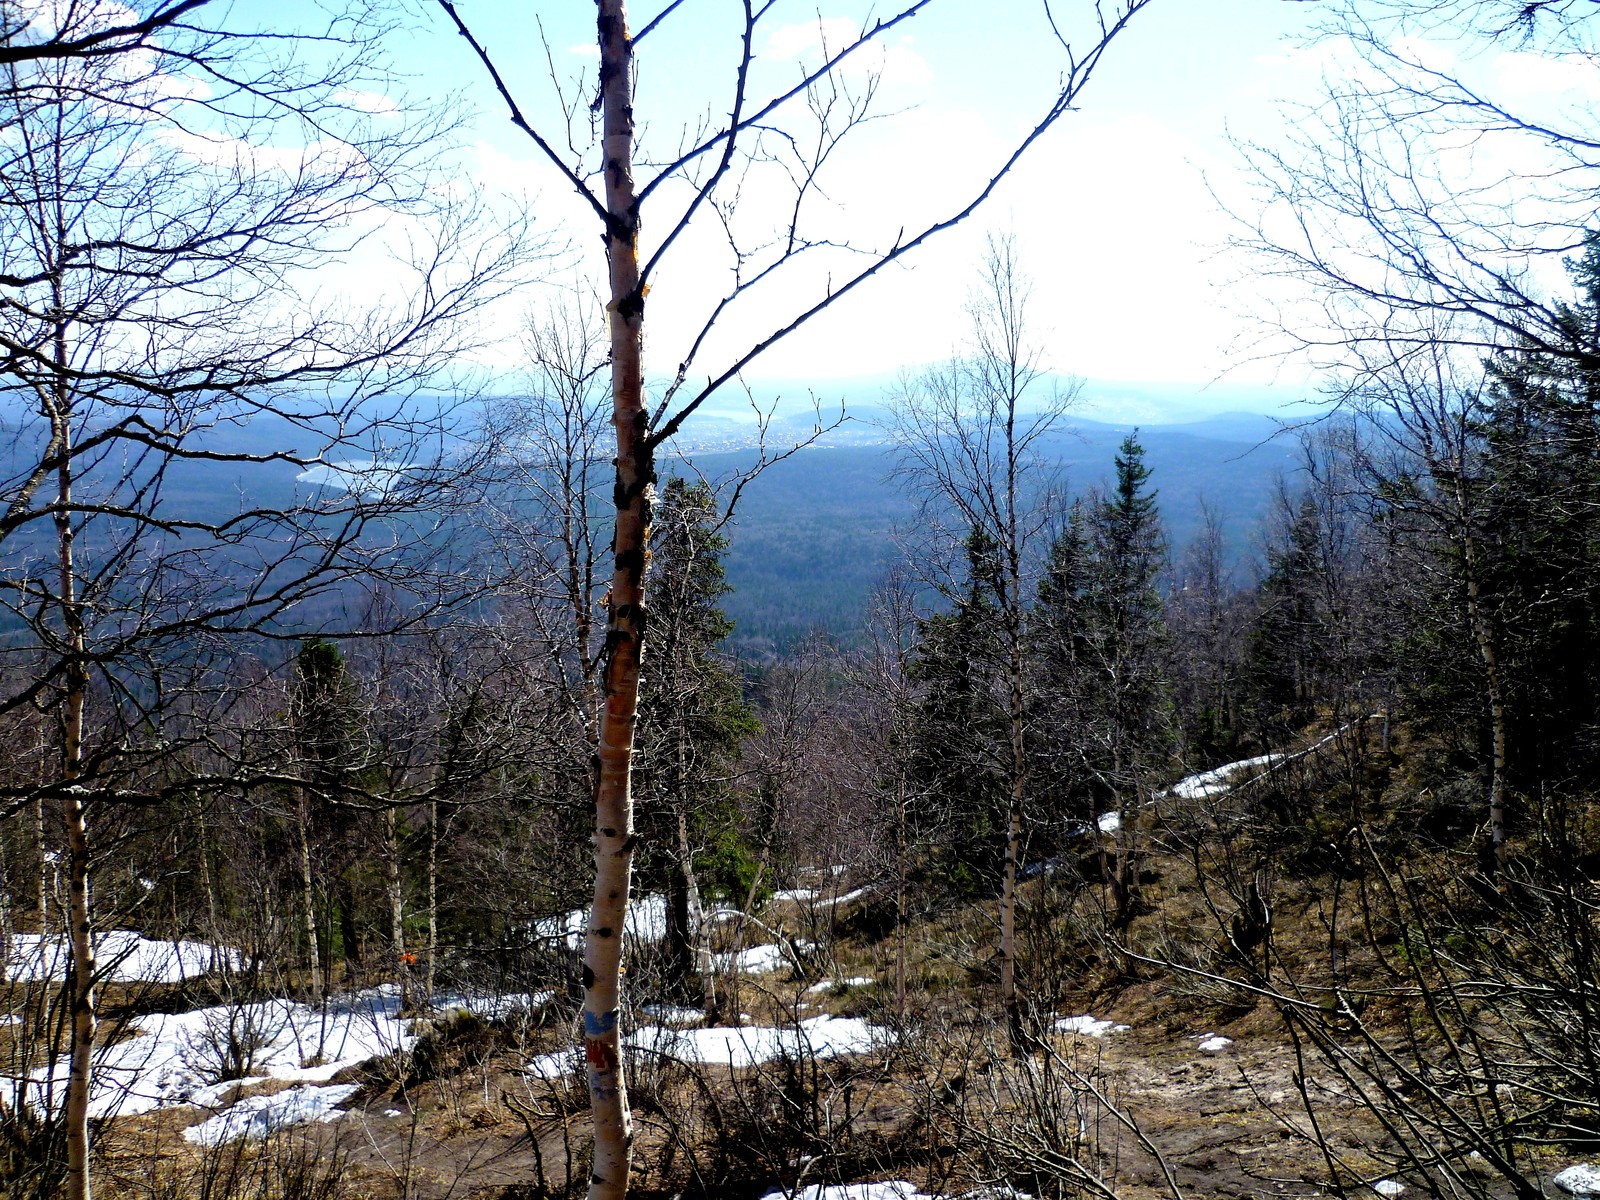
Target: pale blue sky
column 1116, row 223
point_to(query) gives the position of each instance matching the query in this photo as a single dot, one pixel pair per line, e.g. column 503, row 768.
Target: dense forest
column 421, row 785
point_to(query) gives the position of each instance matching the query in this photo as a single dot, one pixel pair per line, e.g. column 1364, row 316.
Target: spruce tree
column 1286, row 640
column 959, row 726
column 1125, row 630
column 1122, row 724
column 692, row 718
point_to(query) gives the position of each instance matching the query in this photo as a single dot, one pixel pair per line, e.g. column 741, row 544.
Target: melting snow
column 744, row 1046
column 761, row 959
column 554, row 1066
column 892, row 1189
column 262, row 1116
column 175, row 1058
column 122, row 956
column 1088, row 1026
column 854, row 894
column 1212, row 1042
column 493, row 1007
column 1388, row 1187
column 1109, row 822
column 1580, row 1179
column 1218, row 780
column 796, row 895
column 646, row 921
column 840, row 984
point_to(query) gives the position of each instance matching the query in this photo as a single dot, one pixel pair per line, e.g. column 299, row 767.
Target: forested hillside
column 429, row 775
column 838, row 506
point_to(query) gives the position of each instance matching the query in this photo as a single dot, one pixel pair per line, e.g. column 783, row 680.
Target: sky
column 1121, row 214
column 1112, row 212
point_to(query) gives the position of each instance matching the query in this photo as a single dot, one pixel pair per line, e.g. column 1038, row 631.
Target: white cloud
column 375, row 103
column 1519, row 73
column 232, row 153
column 806, row 41
column 585, row 50
column 1427, row 53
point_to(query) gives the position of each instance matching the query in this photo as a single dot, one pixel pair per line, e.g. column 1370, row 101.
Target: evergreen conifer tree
column 959, row 727
column 1102, row 608
column 692, row 717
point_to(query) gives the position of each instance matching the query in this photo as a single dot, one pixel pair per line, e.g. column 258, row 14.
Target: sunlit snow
column 840, row 984
column 262, row 1116
column 646, row 921
column 1580, row 1179
column 891, row 1189
column 758, row 960
column 1088, row 1026
column 171, row 1059
column 743, row 1046
column 1219, row 779
column 121, row 956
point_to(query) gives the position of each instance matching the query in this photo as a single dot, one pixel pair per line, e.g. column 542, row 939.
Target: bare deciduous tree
column 158, row 211
column 970, row 442
column 712, row 166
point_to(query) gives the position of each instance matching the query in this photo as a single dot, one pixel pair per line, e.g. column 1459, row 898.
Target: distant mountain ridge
column 817, row 532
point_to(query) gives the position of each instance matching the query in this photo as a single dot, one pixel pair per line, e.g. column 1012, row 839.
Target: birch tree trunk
column 80, row 985
column 42, row 901
column 614, row 837
column 308, row 895
column 397, row 908
column 433, row 902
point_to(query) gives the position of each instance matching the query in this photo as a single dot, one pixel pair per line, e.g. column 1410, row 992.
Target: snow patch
column 559, row 1065
column 262, row 1116
column 891, row 1189
column 853, row 894
column 646, row 922
column 1388, row 1187
column 795, row 895
column 745, row 1046
column 1219, row 779
column 1109, row 822
column 123, row 957
column 1212, row 1042
column 176, row 1058
column 760, row 960
column 1088, row 1026
column 838, row 985
column 1580, row 1179
column 490, row 1007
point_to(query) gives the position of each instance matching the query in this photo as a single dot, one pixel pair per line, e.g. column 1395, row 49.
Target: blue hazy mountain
column 816, row 532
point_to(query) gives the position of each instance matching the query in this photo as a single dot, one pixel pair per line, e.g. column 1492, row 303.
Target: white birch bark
column 614, row 837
